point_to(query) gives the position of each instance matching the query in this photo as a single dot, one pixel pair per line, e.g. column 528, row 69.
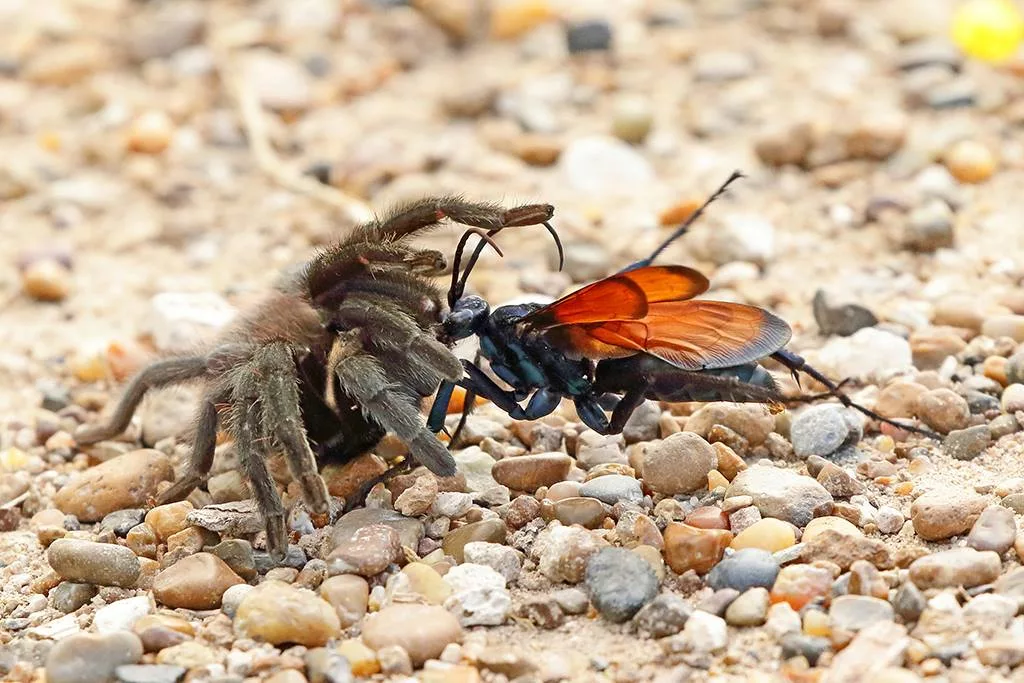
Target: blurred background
column 161, row 161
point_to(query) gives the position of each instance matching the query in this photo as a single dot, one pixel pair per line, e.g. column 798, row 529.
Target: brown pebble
column 196, row 582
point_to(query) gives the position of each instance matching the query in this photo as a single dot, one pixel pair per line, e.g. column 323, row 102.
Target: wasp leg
column 798, row 364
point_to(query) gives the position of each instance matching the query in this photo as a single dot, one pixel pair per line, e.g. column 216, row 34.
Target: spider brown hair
column 338, row 353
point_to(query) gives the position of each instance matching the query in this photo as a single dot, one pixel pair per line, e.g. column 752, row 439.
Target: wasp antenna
column 690, row 220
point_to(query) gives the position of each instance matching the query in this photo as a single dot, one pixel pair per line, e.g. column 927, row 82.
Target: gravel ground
column 158, row 171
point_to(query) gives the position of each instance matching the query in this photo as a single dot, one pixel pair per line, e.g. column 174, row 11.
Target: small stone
column 367, row 553
column 349, row 595
column 103, row 564
column 823, row 430
column 782, row 494
column 679, row 464
column 127, row 481
column 68, row 596
column 943, row 410
column 767, row 534
column 530, row 472
column 588, row 36
column 840, row 318
column 957, row 567
column 620, row 583
column 967, row 444
column 563, row 552
column 121, row 615
column 501, row 558
column 613, row 488
column 970, row 161
column 195, row 582
column 278, row 613
column 488, row 530
column 149, row 673
column 943, row 513
column 417, row 499
column 799, row 584
column 46, row 280
column 705, row 632
column 91, row 658
column 995, row 529
column 422, row 631
column 689, row 548
column 745, row 569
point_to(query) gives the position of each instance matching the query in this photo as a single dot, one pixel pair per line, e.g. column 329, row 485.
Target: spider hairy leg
column 158, row 374
column 283, row 422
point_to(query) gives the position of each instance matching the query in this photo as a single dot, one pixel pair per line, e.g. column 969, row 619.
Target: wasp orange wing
column 626, row 296
column 691, row 335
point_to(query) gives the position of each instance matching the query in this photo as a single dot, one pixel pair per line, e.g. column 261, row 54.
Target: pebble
column 530, row 472
column 967, row 444
column 957, row 567
column 422, row 631
column 196, row 582
column 479, row 596
column 46, row 279
column 753, row 422
column 127, row 481
column 488, row 530
column 679, row 464
column 613, row 488
column 663, row 616
column 995, row 529
column 767, row 534
column 705, row 632
column 501, row 558
column 688, row 547
column 838, row 318
column 91, row 658
column 823, row 430
column 368, row 552
column 103, row 564
column 563, row 552
column 857, row 612
column 417, row 499
column 349, row 595
column 602, row 167
column 799, row 584
column 748, row 238
column 944, row 513
column 749, row 609
column 782, row 494
column 594, row 35
column 970, row 161
column 277, row 613
column 620, row 583
column 69, row 596
column 943, row 410
column 745, row 569
column 121, row 615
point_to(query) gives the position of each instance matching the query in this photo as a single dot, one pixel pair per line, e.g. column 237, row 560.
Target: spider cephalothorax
column 338, row 353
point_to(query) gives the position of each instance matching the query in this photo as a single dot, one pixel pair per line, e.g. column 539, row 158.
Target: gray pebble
column 967, row 444
column 745, row 569
column 68, row 596
column 102, row 564
column 612, row 488
column 91, row 658
column 620, row 583
column 663, row 616
column 121, row 521
column 823, row 430
column 149, row 673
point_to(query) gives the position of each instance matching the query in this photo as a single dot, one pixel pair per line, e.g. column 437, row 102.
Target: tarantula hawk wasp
column 638, row 334
column 339, row 352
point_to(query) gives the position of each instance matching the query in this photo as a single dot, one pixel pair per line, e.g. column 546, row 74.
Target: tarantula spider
column 337, row 354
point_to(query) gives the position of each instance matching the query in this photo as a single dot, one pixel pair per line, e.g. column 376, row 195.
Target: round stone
column 679, row 464
column 277, row 613
column 104, row 564
column 195, row 582
column 422, row 631
column 620, row 583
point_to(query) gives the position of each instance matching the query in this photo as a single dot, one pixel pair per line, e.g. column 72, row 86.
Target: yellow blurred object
column 991, row 30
